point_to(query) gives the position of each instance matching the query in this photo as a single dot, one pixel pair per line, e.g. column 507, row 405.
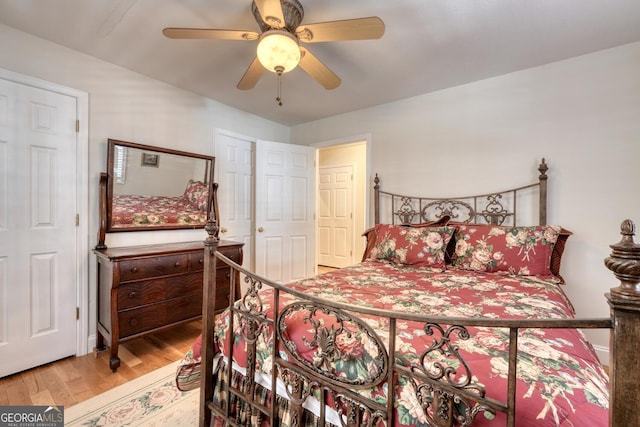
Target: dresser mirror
column 153, row 188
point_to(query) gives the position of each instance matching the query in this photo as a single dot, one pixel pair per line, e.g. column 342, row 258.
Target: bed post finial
column 625, row 262
column 543, row 168
column 211, row 227
column 624, row 301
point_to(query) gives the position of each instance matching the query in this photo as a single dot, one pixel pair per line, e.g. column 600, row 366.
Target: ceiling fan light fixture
column 278, row 51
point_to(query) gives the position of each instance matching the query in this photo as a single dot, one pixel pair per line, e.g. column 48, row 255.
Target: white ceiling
column 428, row 44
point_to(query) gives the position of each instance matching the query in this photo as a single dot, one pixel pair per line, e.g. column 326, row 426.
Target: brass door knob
column 224, row 229
column 260, row 229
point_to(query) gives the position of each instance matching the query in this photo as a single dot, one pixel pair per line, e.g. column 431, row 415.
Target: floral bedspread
column 140, row 211
column 560, row 380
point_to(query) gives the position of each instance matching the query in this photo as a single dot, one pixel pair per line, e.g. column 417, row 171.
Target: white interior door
column 285, row 207
column 235, row 176
column 335, row 216
column 37, row 226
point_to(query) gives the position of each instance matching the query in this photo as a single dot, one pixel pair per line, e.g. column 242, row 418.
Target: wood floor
column 74, row 379
column 325, row 269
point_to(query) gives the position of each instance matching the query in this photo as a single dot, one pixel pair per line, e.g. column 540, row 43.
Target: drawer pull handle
column 201, row 261
column 228, row 275
column 177, row 264
column 133, row 322
column 134, row 270
column 133, row 294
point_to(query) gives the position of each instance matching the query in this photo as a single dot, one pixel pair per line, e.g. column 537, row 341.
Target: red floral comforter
column 139, row 211
column 560, row 380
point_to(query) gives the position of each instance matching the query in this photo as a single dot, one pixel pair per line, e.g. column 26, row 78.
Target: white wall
column 582, row 115
column 130, row 107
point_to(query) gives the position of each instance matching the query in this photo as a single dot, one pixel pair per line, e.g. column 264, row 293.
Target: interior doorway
column 43, row 222
column 341, row 213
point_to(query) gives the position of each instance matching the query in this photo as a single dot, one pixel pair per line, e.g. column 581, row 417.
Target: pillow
column 524, row 251
column 370, row 233
column 417, row 246
column 197, row 194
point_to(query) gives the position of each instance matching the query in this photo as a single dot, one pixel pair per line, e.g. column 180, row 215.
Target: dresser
column 144, row 289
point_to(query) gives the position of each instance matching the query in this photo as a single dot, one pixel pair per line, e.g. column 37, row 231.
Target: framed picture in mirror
column 150, row 159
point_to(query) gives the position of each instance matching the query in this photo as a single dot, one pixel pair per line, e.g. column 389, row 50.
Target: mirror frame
column 107, row 187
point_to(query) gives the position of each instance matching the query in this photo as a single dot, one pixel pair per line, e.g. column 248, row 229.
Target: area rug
column 150, row 400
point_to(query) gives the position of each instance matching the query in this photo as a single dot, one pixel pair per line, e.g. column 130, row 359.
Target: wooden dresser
column 144, row 289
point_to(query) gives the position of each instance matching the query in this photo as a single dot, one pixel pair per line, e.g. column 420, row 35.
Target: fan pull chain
column 279, row 97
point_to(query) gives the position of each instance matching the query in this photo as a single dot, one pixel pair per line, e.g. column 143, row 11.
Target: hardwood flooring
column 74, row 379
column 325, row 269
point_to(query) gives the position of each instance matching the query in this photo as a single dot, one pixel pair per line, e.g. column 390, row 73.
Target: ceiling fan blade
column 316, row 69
column 203, row 33
column 251, row 76
column 271, row 12
column 348, row 29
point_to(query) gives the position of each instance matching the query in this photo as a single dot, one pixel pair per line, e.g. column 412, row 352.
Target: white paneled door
column 235, row 172
column 335, row 216
column 285, row 207
column 37, row 226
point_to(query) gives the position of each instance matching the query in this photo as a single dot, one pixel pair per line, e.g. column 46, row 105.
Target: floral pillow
column 197, row 194
column 417, row 246
column 524, row 251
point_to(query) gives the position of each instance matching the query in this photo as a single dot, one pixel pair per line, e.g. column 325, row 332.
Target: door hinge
column 77, row 220
column 77, row 313
column 77, row 126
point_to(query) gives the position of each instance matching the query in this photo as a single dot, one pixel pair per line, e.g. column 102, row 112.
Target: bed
column 471, row 303
column 136, row 211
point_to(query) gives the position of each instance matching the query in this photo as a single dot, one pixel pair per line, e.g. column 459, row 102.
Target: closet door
column 285, row 207
column 235, row 167
column 37, row 226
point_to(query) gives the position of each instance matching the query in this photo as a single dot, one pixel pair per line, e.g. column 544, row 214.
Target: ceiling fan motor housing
column 291, row 10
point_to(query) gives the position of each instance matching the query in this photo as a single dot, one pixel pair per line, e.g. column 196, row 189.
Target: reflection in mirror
column 150, row 188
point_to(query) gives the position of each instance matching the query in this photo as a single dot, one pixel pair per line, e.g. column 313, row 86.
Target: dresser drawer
column 153, row 316
column 222, row 295
column 196, row 261
column 144, row 268
column 234, row 254
column 149, row 291
column 222, row 288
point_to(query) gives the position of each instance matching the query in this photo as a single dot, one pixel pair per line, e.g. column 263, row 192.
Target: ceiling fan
column 281, row 32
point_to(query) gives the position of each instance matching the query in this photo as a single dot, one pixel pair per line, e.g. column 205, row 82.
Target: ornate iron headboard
column 494, row 208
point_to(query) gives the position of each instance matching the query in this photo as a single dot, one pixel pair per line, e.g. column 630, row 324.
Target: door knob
column 224, row 229
column 260, row 229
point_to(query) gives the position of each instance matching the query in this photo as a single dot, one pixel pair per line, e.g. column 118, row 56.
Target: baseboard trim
column 91, row 343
